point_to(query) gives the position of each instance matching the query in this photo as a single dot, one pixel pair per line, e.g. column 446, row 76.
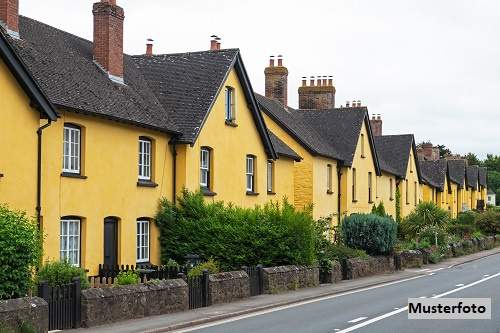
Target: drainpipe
column 174, row 169
column 339, row 180
column 39, row 175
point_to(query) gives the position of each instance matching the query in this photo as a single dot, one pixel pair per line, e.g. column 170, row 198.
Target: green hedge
column 275, row 234
column 372, row 233
column 489, row 222
column 58, row 273
column 20, row 252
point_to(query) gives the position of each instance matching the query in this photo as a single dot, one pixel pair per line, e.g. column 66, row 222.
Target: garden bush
column 426, row 215
column 211, row 266
column 464, row 225
column 20, row 252
column 488, row 222
column 127, row 277
column 379, row 210
column 57, row 273
column 371, row 233
column 275, row 234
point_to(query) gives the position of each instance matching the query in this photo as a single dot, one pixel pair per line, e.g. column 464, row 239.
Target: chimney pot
column 304, row 81
column 347, row 104
column 280, row 60
column 318, row 82
column 311, row 81
column 271, row 61
column 325, row 81
column 276, row 81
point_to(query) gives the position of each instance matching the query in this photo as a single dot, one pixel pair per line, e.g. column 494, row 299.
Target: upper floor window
column 70, row 241
column 407, row 192
column 329, row 179
column 362, row 145
column 142, row 244
column 205, row 167
column 250, row 173
column 370, row 188
column 71, row 149
column 230, row 105
column 391, row 189
column 411, row 164
column 415, row 195
column 354, row 184
column 145, row 145
column 270, row 177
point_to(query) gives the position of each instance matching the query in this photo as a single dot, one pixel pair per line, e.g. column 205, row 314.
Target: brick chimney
column 376, row 125
column 277, row 81
column 320, row 96
column 149, row 47
column 108, row 38
column 214, row 43
column 9, row 17
column 428, row 152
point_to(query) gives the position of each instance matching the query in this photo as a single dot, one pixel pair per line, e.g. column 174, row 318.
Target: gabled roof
column 187, row 85
column 282, row 149
column 434, row 173
column 456, row 171
column 483, row 176
column 394, row 153
column 24, row 78
column 330, row 133
column 472, row 175
column 62, row 65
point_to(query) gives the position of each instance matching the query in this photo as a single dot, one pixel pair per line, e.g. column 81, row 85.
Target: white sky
column 430, row 67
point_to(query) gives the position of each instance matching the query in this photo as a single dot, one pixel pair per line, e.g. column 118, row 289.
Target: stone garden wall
column 228, row 287
column 30, row 311
column 108, row 305
column 360, row 267
column 283, row 278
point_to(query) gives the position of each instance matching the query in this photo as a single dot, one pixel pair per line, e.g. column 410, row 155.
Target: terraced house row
column 92, row 138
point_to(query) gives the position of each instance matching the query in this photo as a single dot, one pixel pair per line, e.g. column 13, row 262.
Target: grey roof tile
column 434, row 173
column 456, row 171
column 472, row 175
column 282, row 148
column 483, row 176
column 394, row 152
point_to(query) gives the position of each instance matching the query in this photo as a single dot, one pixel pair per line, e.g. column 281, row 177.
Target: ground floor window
column 70, row 241
column 142, row 241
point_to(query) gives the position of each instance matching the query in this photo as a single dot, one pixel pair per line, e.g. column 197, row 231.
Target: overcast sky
column 429, row 67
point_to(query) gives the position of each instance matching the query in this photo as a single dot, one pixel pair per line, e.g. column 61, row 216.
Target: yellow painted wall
column 363, row 165
column 18, row 142
column 110, row 153
column 453, row 200
column 384, row 193
column 310, row 177
column 230, row 145
column 410, row 198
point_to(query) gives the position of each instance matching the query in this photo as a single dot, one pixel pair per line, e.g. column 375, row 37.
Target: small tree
column 426, row 215
column 379, row 210
column 20, row 252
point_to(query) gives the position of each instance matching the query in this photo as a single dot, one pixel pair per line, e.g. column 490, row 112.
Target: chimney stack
column 9, row 17
column 214, row 43
column 375, row 123
column 276, row 81
column 108, row 38
column 149, row 47
column 428, row 152
column 317, row 97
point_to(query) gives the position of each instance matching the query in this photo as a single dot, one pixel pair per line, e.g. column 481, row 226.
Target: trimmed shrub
column 127, row 277
column 371, row 233
column 275, row 234
column 379, row 210
column 463, row 226
column 57, row 273
column 488, row 222
column 20, row 252
column 211, row 266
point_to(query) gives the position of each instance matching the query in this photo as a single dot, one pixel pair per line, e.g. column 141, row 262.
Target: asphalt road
column 381, row 309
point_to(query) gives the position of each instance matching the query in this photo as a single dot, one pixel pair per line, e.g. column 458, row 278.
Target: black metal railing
column 146, row 270
column 256, row 275
column 198, row 290
column 64, row 304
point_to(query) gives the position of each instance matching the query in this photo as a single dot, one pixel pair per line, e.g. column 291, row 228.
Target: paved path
column 335, row 308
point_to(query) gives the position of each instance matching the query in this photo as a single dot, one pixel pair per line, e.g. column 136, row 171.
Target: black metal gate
column 198, row 291
column 256, row 275
column 64, row 304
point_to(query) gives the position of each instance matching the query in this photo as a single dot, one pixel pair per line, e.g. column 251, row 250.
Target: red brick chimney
column 276, row 84
column 108, row 38
column 9, row 16
column 149, row 47
column 214, row 43
column 376, row 125
column 319, row 95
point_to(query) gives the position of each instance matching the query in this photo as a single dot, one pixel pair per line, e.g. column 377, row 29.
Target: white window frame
column 145, row 153
column 270, row 176
column 71, row 149
column 354, row 185
column 329, row 178
column 205, row 167
column 142, row 241
column 250, row 173
column 69, row 249
column 230, row 104
column 370, row 187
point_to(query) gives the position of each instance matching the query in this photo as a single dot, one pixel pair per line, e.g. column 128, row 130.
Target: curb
column 216, row 318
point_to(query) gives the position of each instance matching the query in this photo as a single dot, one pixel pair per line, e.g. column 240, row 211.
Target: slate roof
column 483, row 176
column 186, row 84
column 330, row 133
column 394, row 153
column 62, row 65
column 282, row 149
column 434, row 173
column 456, row 171
column 472, row 175
column 25, row 80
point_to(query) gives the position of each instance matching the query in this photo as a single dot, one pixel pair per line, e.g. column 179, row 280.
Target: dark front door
column 110, row 241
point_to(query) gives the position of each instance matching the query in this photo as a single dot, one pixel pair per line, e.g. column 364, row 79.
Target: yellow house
column 127, row 136
column 472, row 186
column 435, row 179
column 23, row 106
column 483, row 185
column 456, row 172
column 398, row 161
